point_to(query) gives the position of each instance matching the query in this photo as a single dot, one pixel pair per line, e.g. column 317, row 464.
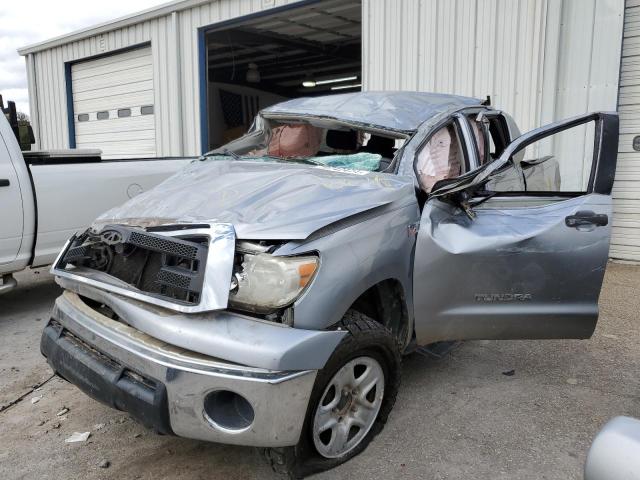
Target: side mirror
column 25, row 137
column 615, row 451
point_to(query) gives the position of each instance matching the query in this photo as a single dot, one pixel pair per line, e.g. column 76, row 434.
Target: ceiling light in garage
column 336, row 80
column 253, row 74
column 309, row 82
column 342, row 87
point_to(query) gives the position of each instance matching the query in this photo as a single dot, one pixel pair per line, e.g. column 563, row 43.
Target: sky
column 30, row 21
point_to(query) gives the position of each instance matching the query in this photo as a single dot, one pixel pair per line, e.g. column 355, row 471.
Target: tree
column 24, row 132
column 22, row 117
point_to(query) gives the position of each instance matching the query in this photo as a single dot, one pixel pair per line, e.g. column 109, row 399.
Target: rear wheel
column 350, row 402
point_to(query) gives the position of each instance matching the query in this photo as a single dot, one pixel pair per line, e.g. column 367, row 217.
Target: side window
column 441, row 157
column 559, row 162
column 481, row 138
column 491, row 135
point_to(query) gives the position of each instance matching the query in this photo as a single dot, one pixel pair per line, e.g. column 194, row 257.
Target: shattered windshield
column 322, row 144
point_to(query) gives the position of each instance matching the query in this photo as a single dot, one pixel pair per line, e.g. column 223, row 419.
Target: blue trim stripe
column 202, row 74
column 70, row 113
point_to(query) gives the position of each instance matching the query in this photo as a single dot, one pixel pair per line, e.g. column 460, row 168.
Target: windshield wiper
column 225, row 153
column 294, row 159
column 307, row 160
column 228, row 153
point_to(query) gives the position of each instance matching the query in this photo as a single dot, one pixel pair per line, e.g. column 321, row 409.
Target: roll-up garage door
column 113, row 104
column 625, row 240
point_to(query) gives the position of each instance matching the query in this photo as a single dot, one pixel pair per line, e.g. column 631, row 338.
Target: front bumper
column 228, row 335
column 164, row 386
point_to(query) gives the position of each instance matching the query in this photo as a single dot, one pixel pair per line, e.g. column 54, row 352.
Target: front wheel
column 348, row 407
column 350, row 401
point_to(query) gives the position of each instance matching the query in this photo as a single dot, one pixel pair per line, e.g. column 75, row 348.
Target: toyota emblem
column 111, row 237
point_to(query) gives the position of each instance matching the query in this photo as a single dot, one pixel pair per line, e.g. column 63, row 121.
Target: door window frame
column 463, row 130
column 502, row 130
column 602, row 168
column 541, row 133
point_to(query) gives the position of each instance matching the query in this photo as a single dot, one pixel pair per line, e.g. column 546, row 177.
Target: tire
column 368, row 343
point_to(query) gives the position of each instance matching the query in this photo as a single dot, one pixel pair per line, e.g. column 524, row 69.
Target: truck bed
column 72, row 187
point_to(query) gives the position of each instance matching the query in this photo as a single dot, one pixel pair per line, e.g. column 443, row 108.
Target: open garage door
column 113, row 104
column 307, row 50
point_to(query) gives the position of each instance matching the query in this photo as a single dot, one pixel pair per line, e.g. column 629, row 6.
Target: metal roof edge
column 127, row 20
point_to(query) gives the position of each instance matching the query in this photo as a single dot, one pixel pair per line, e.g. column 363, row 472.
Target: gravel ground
column 455, row 418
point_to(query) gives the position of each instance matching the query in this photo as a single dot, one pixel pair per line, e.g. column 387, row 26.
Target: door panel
column 496, row 260
column 515, row 271
column 11, row 214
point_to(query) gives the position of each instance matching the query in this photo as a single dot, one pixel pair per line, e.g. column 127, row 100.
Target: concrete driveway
column 456, row 418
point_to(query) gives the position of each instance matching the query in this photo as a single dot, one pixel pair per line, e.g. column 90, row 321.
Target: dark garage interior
column 310, row 50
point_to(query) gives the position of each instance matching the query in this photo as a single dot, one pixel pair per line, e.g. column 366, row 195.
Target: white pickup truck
column 40, row 192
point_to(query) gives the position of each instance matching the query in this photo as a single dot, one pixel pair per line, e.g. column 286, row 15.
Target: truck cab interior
column 319, row 142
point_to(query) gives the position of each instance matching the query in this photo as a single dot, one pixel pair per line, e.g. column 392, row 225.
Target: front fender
column 354, row 259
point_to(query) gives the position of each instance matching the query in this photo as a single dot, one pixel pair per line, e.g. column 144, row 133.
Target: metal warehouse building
column 189, row 75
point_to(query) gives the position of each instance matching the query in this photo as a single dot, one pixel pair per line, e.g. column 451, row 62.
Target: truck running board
column 8, row 283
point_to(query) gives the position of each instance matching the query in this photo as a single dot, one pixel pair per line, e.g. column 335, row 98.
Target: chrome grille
column 170, row 268
column 174, row 279
column 158, row 244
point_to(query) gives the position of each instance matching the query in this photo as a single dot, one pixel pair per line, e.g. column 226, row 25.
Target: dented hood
column 263, row 200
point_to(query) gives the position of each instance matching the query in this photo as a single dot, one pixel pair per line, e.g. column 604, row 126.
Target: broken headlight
column 263, row 282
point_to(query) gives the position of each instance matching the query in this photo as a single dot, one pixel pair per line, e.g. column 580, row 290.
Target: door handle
column 586, row 218
column 4, row 182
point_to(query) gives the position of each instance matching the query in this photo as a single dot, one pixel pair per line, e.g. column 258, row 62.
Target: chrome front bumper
column 236, row 338
column 279, row 398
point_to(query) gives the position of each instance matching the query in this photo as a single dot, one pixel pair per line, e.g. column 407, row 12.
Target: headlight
column 265, row 283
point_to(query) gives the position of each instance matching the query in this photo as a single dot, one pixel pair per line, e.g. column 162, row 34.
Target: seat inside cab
column 353, row 141
column 334, row 147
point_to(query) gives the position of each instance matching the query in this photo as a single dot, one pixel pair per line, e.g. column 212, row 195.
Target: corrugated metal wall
column 174, row 42
column 538, row 59
column 467, row 47
column 626, row 238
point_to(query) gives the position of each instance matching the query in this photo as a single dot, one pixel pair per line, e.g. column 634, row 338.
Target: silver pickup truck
column 265, row 294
